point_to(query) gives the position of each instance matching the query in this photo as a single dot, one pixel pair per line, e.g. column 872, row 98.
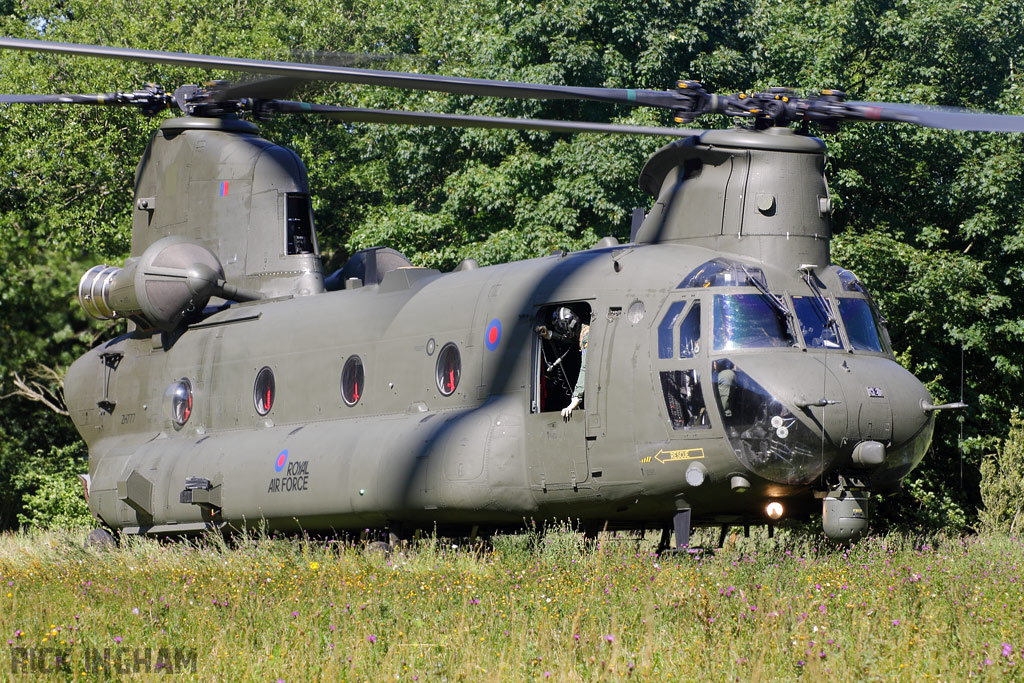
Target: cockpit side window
column 299, row 224
column 666, row 326
column 689, row 333
column 684, row 399
column 747, row 321
column 679, row 371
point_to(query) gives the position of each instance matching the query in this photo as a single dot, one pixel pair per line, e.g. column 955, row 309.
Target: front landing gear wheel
column 100, row 539
column 381, row 548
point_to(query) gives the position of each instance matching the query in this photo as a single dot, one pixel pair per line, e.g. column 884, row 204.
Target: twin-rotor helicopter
column 717, row 369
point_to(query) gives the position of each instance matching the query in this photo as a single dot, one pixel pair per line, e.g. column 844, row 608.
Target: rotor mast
column 760, row 194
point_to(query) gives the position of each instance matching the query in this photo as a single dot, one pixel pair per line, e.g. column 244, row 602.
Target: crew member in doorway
column 577, row 392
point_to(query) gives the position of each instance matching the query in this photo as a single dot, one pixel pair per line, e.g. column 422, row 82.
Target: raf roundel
column 493, row 334
column 282, row 458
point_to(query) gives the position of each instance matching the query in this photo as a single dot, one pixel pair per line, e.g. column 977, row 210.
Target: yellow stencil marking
column 684, row 454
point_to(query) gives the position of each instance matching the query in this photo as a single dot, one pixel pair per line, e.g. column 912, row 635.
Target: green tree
column 53, row 494
column 1002, row 482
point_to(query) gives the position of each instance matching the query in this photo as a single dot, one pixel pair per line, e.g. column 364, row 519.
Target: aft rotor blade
column 357, row 115
column 392, row 79
column 952, row 118
column 269, row 88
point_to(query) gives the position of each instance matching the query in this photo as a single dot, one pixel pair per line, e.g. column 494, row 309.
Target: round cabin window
column 179, row 401
column 449, row 369
column 265, row 391
column 352, row 380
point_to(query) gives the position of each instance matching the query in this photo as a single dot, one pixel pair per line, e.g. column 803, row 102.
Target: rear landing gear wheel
column 100, row 539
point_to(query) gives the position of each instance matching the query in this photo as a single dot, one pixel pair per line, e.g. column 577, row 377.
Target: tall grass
column 526, row 607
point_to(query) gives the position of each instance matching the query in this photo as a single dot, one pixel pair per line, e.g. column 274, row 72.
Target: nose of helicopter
column 886, row 406
column 791, row 421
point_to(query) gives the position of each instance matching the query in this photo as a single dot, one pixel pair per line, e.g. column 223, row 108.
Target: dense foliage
column 931, row 220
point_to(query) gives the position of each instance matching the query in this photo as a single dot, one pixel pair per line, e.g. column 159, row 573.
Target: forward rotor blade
column 111, row 99
column 951, row 118
column 150, row 99
column 357, row 115
column 393, row 79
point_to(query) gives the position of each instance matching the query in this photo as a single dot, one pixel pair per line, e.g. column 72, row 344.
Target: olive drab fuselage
column 729, row 363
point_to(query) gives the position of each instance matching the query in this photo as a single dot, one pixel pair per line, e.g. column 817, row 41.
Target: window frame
column 442, row 354
column 267, row 371
column 355, row 358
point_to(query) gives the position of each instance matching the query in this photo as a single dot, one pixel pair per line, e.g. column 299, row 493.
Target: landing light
column 774, row 510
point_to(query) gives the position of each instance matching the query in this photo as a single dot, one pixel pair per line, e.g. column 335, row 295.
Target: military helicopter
column 717, row 370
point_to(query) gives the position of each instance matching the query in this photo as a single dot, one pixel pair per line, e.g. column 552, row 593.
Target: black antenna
column 960, row 418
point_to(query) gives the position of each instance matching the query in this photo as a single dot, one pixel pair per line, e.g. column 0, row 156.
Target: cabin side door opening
column 558, row 458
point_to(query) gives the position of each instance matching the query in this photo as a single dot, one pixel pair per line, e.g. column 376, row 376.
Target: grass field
column 527, row 608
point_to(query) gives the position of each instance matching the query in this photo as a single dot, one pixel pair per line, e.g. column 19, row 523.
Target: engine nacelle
column 172, row 278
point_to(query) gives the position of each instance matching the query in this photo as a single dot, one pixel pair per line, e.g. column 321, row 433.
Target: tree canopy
column 931, row 220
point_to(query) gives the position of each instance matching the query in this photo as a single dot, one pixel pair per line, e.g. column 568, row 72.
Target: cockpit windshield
column 748, row 321
column 862, row 327
column 814, row 323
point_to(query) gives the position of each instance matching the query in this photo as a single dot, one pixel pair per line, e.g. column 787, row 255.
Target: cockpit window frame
column 681, row 372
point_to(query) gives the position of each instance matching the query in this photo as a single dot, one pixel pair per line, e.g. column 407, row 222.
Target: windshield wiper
column 826, row 305
column 776, row 302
